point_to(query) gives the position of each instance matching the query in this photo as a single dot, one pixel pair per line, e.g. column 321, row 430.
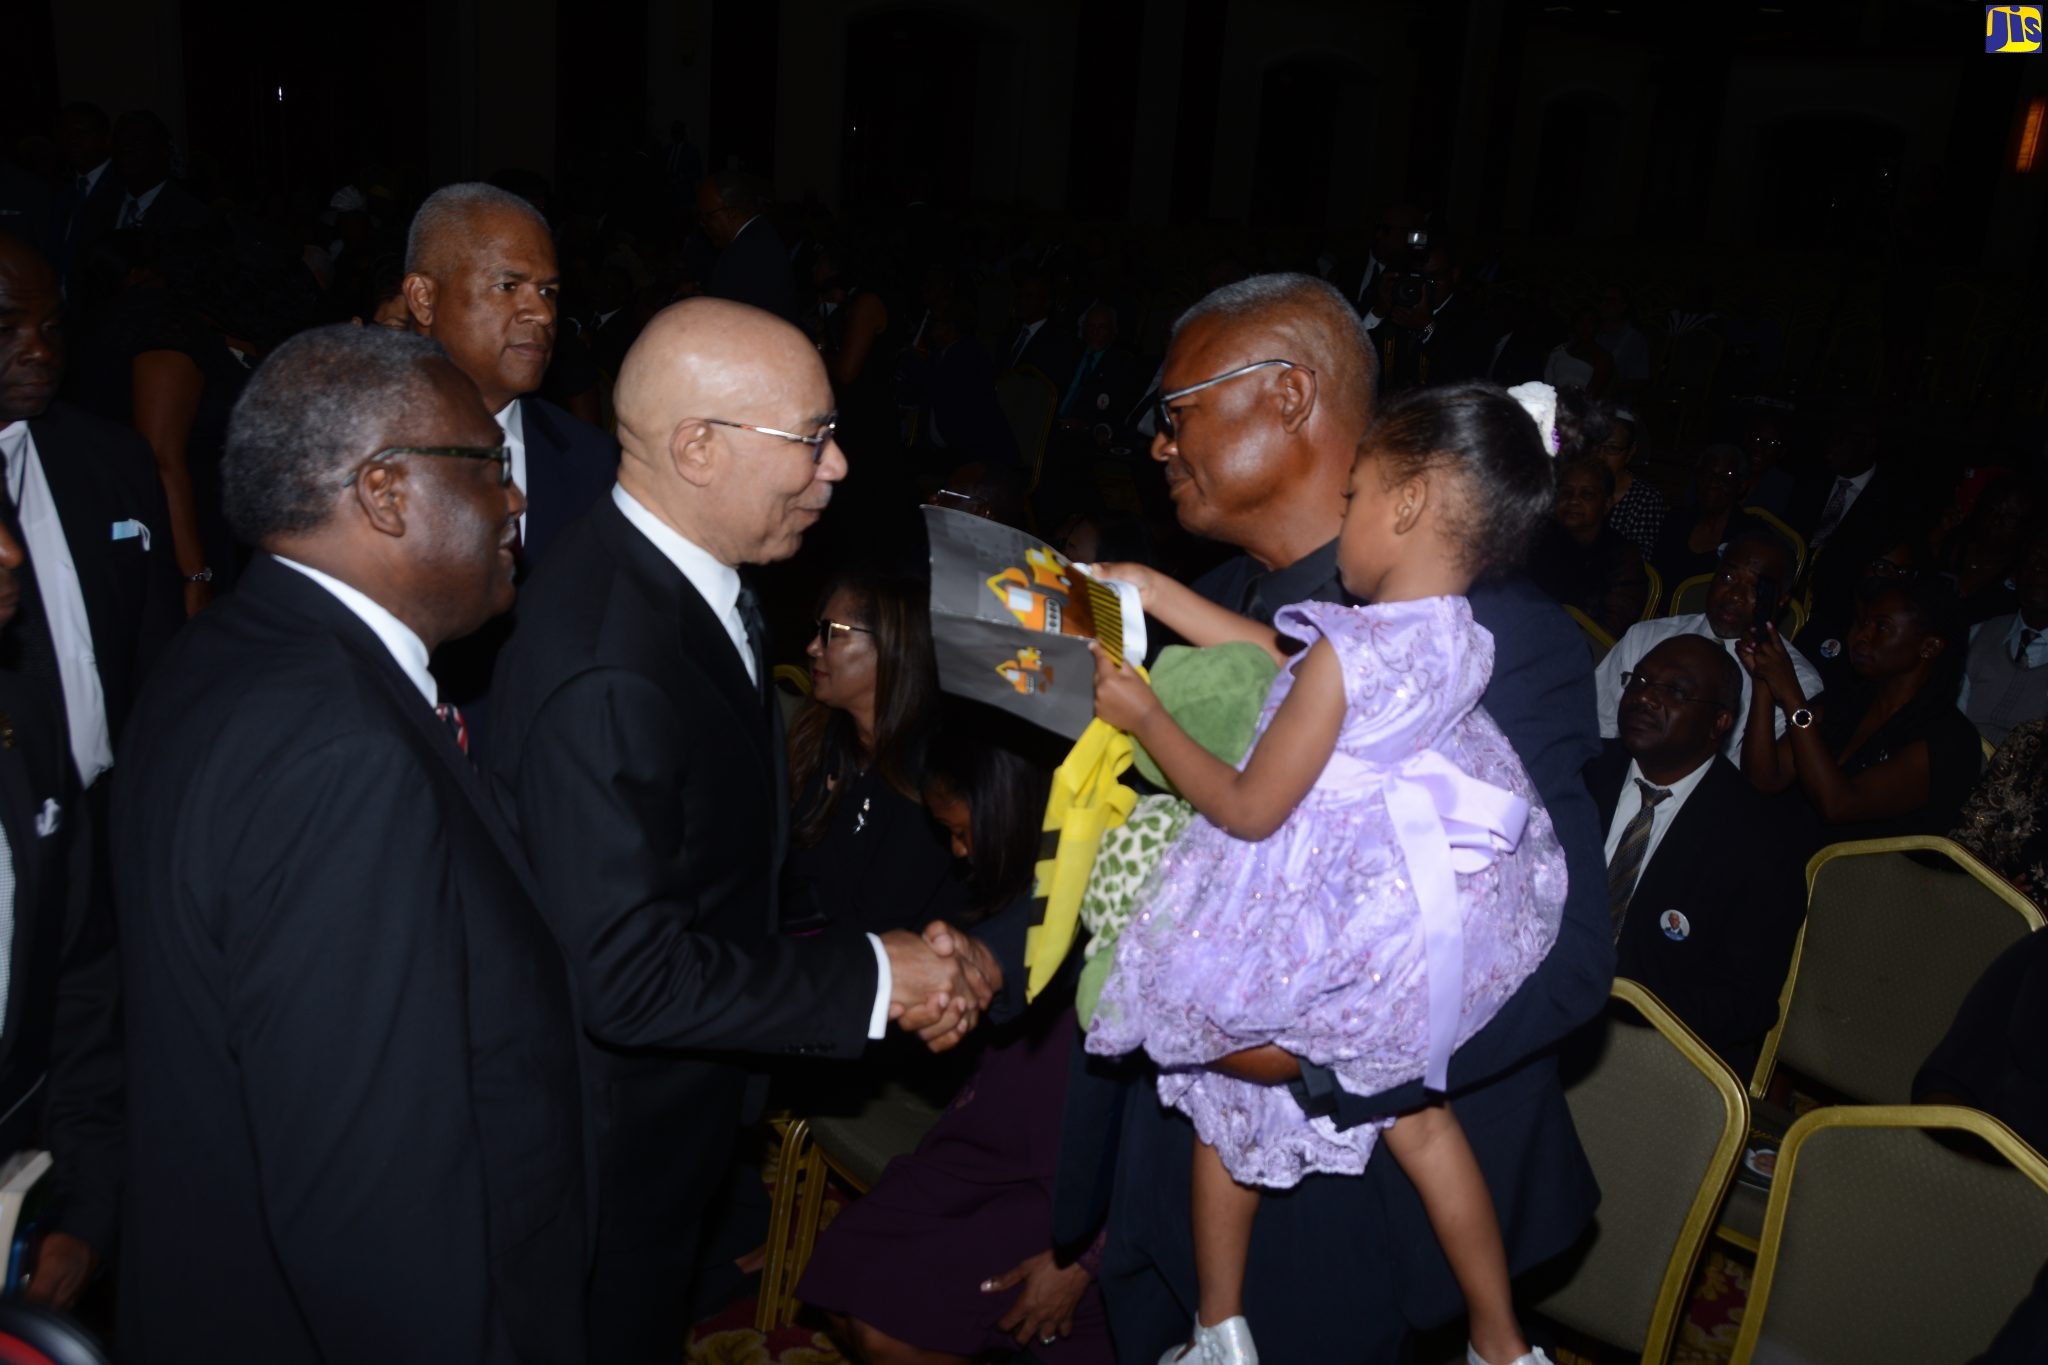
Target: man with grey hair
column 356, row 1125
column 481, row 279
column 1268, row 395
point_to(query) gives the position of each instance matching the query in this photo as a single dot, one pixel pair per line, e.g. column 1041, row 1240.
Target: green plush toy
column 1216, row 695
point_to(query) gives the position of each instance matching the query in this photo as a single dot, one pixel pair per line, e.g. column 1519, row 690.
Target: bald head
column 702, row 373
column 31, row 339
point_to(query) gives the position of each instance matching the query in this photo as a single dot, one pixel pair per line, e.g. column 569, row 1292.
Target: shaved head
column 703, row 372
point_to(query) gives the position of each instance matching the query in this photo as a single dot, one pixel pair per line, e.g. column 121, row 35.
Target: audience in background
column 1757, row 564
column 752, row 265
column 1894, row 755
column 2005, row 682
column 1639, row 507
column 2005, row 820
column 1580, row 362
column 1623, row 341
column 1689, row 542
column 1581, row 560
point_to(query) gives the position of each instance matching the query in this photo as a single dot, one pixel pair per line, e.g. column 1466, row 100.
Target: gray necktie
column 1626, row 867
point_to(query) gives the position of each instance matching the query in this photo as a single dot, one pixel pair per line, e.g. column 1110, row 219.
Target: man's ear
column 381, row 494
column 1724, row 721
column 419, row 292
column 1297, row 398
column 692, row 451
column 1410, row 498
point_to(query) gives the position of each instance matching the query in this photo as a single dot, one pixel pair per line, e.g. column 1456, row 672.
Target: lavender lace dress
column 1422, row 844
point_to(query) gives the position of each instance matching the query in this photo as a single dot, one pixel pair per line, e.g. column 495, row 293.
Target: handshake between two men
column 941, row 983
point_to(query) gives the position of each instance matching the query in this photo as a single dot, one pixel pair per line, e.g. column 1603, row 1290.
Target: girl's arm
column 1289, row 758
column 1186, row 612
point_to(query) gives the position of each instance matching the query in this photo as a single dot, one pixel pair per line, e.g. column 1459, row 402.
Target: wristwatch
column 203, row 576
column 1803, row 718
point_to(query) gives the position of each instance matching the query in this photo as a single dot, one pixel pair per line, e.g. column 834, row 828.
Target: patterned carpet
column 1706, row 1338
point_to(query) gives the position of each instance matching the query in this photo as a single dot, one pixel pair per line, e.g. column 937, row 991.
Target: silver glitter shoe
column 1229, row 1342
column 1535, row 1357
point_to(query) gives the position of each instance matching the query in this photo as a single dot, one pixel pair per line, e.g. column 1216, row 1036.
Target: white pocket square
column 49, row 818
column 132, row 529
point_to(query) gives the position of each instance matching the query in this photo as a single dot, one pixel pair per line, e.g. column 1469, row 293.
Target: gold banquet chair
column 1656, row 593
column 1890, row 947
column 1662, row 1120
column 1886, row 1247
column 1597, row 638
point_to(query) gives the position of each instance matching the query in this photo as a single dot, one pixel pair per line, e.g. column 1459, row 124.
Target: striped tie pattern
column 458, row 730
column 1626, row 865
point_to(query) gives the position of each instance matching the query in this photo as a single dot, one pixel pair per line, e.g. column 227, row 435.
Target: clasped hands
column 941, row 982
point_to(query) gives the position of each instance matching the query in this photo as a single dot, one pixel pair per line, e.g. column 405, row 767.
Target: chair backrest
column 1885, row 1247
column 1896, row 933
column 1029, row 401
column 1663, row 1122
column 1656, row 590
column 859, row 1146
column 1596, row 637
column 1689, row 598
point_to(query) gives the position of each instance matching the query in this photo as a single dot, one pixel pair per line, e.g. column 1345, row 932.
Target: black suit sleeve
column 348, row 960
column 610, row 804
column 83, row 1114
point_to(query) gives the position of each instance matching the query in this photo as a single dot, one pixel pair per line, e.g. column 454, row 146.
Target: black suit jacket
column 62, row 1025
column 754, row 268
column 80, row 215
column 1368, row 1241
column 1051, row 351
column 1107, row 392
column 646, row 775
column 1732, row 864
column 102, row 475
column 570, row 467
column 353, row 1089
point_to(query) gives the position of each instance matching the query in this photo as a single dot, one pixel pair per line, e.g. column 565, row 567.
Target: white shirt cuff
column 885, row 984
column 1370, row 321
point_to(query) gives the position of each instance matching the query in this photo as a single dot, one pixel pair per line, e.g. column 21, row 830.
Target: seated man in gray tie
column 1703, row 871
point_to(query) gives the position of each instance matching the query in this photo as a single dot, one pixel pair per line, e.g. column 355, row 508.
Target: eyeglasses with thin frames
column 1634, row 682
column 1162, row 406
column 829, row 630
column 502, row 454
column 816, row 442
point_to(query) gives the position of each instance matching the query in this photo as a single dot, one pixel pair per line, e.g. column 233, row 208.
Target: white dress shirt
column 1661, row 814
column 1030, row 334
column 2036, row 654
column 1850, row 488
column 512, row 422
column 85, row 702
column 92, row 177
column 135, row 207
column 719, row 585
column 1644, row 636
column 406, row 648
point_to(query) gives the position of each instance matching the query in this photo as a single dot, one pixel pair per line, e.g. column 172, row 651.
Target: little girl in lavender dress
column 1377, row 879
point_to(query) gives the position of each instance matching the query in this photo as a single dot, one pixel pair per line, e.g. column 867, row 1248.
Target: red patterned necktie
column 451, row 716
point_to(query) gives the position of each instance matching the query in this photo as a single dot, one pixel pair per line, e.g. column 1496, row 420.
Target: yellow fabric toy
column 1088, row 800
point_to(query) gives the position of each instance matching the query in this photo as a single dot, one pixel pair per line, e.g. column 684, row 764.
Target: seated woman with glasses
column 864, row 855
column 949, row 1257
column 1891, row 755
column 1581, row 560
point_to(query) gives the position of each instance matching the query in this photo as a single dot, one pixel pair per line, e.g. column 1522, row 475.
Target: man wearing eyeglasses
column 1269, row 387
column 354, row 1110
column 1704, row 884
column 641, row 745
column 481, row 280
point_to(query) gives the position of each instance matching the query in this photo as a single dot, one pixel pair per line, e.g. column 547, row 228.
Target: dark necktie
column 1831, row 515
column 1626, row 866
column 2027, row 638
column 27, row 647
column 458, row 730
column 757, row 637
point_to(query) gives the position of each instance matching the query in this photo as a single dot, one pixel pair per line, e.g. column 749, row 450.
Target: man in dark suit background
column 641, row 745
column 354, row 1095
column 143, row 162
column 85, row 138
column 1260, row 459
column 1705, row 890
column 82, row 495
column 752, row 265
column 481, row 279
column 1038, row 341
column 60, row 1067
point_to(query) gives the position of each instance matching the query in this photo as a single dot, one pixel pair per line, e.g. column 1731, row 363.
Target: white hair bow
column 1539, row 400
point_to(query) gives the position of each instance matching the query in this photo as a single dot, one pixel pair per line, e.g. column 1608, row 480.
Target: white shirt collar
column 146, row 198
column 512, row 421
column 717, row 583
column 1857, row 483
column 2035, row 647
column 1679, row 790
column 406, row 648
column 92, row 177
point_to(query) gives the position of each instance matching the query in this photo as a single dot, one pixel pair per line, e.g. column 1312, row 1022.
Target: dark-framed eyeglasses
column 816, row 441
column 830, row 630
column 1162, row 407
column 502, row 454
column 1678, row 696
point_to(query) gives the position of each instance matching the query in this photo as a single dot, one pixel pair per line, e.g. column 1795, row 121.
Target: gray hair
column 1283, row 296
column 317, row 406
column 448, row 208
